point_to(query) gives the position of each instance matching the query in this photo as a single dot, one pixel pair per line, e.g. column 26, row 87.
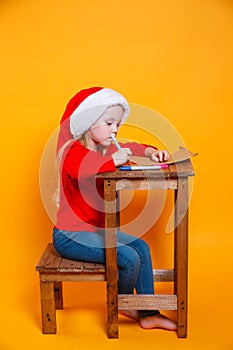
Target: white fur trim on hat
column 93, row 107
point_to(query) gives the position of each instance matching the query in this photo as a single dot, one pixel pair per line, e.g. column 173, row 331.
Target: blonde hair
column 83, row 139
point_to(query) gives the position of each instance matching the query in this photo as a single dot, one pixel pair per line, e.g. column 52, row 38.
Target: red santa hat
column 85, row 108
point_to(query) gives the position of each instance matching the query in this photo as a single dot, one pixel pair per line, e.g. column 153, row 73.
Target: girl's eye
column 111, row 123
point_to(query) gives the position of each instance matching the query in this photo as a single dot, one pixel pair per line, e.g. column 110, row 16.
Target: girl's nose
column 114, row 128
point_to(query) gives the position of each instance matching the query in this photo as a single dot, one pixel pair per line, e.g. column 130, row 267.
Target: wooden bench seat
column 53, row 270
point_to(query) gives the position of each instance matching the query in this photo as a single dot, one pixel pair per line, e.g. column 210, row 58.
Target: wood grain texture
column 181, row 255
column 111, row 257
column 147, row 302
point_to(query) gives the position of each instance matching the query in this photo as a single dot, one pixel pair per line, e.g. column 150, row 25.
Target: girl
column 84, row 149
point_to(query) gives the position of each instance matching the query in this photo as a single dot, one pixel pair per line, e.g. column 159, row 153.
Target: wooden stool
column 53, row 270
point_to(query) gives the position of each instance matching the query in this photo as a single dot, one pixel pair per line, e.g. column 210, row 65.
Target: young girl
column 85, row 149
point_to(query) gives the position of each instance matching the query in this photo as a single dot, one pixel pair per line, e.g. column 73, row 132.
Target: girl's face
column 108, row 123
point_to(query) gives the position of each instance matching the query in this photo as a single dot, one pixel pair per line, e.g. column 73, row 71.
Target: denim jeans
column 133, row 258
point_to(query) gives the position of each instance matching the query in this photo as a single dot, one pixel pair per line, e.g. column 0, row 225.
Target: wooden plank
column 181, row 255
column 134, row 174
column 147, row 184
column 50, row 260
column 72, row 277
column 93, row 267
column 164, row 275
column 67, row 265
column 74, row 266
column 147, row 302
column 111, row 257
column 181, row 169
column 159, row 276
column 48, row 311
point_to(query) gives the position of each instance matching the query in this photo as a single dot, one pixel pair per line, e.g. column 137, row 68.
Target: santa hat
column 85, row 108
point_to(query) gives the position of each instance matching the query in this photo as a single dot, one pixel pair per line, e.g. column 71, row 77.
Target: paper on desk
column 178, row 156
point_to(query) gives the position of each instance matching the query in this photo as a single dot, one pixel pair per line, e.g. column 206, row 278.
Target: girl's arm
column 139, row 149
column 80, row 162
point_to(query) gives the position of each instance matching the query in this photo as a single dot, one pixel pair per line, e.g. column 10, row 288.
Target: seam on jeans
column 58, row 235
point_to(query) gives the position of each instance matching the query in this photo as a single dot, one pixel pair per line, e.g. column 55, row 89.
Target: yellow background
column 172, row 56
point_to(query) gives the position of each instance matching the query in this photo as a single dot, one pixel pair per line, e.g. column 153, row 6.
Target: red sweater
column 81, row 198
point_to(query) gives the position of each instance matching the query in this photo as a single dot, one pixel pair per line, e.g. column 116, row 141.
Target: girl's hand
column 122, row 156
column 157, row 155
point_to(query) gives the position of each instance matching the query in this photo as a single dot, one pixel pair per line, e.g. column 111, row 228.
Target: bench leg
column 58, row 295
column 48, row 311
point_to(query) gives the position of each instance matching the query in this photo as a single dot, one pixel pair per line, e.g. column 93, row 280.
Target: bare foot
column 158, row 321
column 133, row 314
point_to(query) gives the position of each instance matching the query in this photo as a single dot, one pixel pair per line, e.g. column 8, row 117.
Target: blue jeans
column 133, row 258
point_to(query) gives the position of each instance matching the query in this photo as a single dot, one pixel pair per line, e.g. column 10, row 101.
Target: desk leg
column 181, row 255
column 111, row 257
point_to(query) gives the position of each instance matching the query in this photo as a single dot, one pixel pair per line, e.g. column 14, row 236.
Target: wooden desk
column 174, row 178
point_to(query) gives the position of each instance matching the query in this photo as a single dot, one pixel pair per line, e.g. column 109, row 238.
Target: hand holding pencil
column 122, row 155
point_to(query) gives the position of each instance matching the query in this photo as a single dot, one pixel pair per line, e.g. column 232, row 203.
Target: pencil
column 116, row 142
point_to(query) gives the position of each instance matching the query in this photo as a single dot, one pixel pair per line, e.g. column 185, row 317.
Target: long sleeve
column 81, row 163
